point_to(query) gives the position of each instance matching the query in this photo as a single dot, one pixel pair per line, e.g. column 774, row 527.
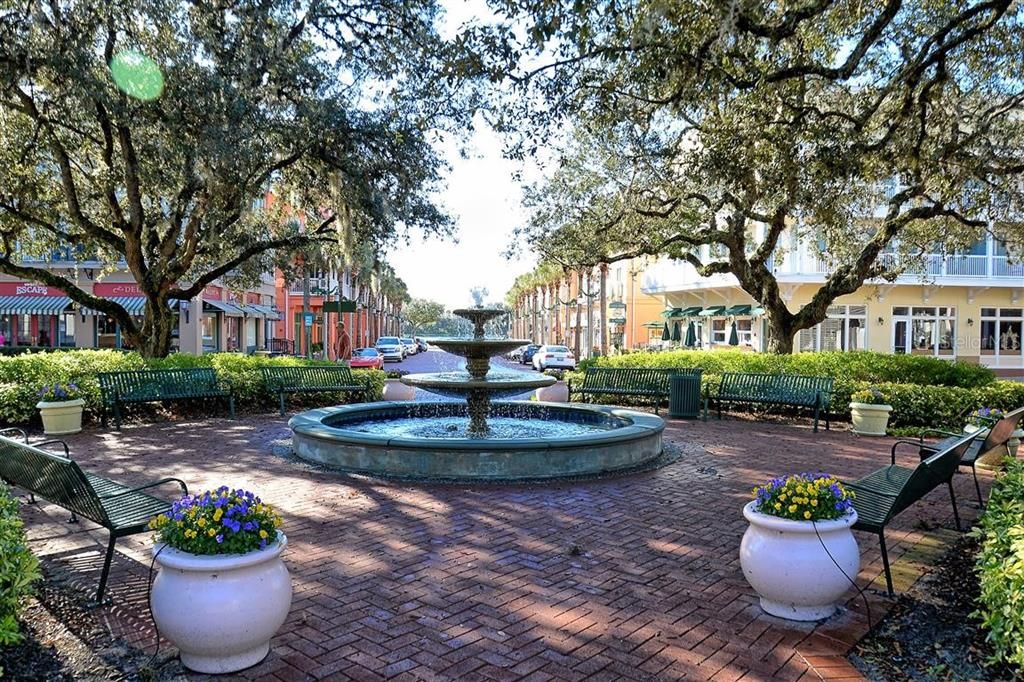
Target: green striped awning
column 33, row 305
column 133, row 305
column 672, row 312
column 265, row 310
column 740, row 310
column 713, row 311
column 757, row 310
column 691, row 311
column 229, row 309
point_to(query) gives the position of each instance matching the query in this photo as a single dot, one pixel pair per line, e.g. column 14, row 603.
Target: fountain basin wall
column 621, row 440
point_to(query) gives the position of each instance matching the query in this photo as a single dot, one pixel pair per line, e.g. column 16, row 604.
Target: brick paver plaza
column 628, row 578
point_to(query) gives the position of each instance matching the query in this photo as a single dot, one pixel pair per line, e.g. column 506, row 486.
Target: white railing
column 932, row 265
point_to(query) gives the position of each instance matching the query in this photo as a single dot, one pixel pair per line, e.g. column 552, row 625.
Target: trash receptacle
column 684, row 395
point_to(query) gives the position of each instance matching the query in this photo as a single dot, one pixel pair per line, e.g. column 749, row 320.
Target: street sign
column 617, row 320
column 617, row 305
column 308, row 318
column 339, row 306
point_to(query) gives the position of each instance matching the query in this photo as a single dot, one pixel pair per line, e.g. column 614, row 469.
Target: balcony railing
column 933, row 265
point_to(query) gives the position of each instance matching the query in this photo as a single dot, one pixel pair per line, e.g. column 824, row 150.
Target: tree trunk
column 590, row 313
column 780, row 330
column 154, row 338
column 579, row 316
column 604, row 308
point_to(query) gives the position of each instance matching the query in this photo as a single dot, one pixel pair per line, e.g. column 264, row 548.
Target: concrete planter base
column 62, row 417
column 868, row 419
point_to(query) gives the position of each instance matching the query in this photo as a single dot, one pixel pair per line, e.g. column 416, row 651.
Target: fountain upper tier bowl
column 459, row 384
column 531, row 440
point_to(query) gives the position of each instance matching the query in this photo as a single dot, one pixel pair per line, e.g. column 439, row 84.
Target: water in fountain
column 477, row 384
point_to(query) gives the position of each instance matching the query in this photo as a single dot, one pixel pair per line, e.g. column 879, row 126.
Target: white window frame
column 998, row 351
column 936, row 317
column 843, row 314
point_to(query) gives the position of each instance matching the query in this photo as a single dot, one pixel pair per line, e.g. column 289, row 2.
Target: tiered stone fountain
column 477, row 438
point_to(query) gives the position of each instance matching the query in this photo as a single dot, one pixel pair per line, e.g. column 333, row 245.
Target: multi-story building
column 966, row 305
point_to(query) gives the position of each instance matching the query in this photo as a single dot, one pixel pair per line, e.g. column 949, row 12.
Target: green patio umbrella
column 677, row 335
column 665, row 334
column 691, row 335
column 734, row 339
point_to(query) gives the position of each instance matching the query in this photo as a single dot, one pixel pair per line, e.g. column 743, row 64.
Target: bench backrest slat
column 50, row 476
column 308, row 376
column 654, row 379
column 796, row 388
column 158, row 383
column 931, row 473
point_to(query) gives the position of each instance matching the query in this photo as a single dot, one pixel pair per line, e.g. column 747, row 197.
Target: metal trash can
column 684, row 396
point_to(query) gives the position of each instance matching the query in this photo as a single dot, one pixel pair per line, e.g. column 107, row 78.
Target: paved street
column 436, row 360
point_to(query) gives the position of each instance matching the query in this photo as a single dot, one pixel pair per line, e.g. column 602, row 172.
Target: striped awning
column 133, row 305
column 691, row 311
column 229, row 309
column 739, row 310
column 33, row 305
column 713, row 311
column 265, row 311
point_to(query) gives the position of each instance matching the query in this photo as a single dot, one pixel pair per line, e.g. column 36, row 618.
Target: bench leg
column 885, row 563
column 103, row 415
column 719, row 410
column 117, row 416
column 817, row 412
column 231, row 406
column 74, row 518
column 952, row 498
column 106, row 571
column 281, row 396
column 977, row 487
column 32, row 498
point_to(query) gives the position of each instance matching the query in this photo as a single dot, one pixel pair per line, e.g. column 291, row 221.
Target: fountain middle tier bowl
column 528, row 440
column 477, row 348
column 459, row 384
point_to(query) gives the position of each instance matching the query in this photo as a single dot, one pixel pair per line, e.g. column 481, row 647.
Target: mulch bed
column 929, row 633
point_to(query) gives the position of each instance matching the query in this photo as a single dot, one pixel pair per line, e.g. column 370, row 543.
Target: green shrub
column 19, row 568
column 1000, row 566
column 22, row 376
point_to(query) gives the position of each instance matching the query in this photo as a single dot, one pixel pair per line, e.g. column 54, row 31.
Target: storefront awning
column 756, row 311
column 713, row 311
column 653, row 325
column 33, row 305
column 133, row 305
column 672, row 312
column 260, row 310
column 691, row 311
column 741, row 310
column 229, row 309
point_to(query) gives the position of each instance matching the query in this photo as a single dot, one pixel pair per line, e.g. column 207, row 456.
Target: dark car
column 421, row 344
column 528, row 352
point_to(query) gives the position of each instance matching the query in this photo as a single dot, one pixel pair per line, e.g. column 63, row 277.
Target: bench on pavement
column 160, row 385
column 792, row 390
column 997, row 437
column 123, row 510
column 882, row 494
column 645, row 382
column 312, row 379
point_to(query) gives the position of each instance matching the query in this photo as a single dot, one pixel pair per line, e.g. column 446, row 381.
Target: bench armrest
column 40, row 444
column 937, row 431
column 898, row 443
column 855, row 487
column 184, row 488
column 15, row 430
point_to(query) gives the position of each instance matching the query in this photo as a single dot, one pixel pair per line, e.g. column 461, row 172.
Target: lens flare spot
column 137, row 75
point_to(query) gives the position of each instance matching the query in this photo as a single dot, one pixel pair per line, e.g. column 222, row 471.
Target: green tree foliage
column 331, row 103
column 421, row 313
column 858, row 127
column 19, row 568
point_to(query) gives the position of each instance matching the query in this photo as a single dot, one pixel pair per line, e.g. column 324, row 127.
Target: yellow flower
column 792, row 509
column 778, row 506
column 211, row 532
column 782, row 497
column 180, row 523
column 218, row 514
column 814, row 503
column 807, row 514
column 263, row 534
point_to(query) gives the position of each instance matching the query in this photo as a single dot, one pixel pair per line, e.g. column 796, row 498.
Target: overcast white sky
column 485, row 202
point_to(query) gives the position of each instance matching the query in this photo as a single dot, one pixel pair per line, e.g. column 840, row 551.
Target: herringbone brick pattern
column 632, row 578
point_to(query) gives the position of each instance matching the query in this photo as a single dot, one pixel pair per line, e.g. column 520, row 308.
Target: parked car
column 527, row 357
column 366, row 357
column 549, row 356
column 410, row 346
column 421, row 344
column 391, row 348
column 516, row 354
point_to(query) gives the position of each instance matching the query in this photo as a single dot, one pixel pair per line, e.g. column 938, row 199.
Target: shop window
column 1002, row 333
column 66, row 330
column 932, row 331
column 211, row 333
column 845, row 329
column 719, row 331
column 745, row 332
column 106, row 332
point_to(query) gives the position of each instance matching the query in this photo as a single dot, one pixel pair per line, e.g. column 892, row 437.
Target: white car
column 391, row 348
column 548, row 357
column 411, row 347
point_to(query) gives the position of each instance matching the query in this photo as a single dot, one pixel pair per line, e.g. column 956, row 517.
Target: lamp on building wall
column 881, row 320
column 183, row 305
column 970, row 322
column 89, row 273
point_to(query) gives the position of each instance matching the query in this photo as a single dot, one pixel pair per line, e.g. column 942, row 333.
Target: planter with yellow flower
column 222, row 590
column 799, row 552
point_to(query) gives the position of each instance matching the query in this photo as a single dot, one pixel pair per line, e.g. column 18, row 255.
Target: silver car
column 391, row 348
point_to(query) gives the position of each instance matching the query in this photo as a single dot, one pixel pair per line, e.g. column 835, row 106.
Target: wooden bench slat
column 311, row 379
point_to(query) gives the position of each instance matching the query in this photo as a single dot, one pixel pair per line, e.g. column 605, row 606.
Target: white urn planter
column 394, row 389
column 61, row 417
column 992, row 460
column 557, row 392
column 869, row 419
column 1014, row 443
column 784, row 561
column 221, row 610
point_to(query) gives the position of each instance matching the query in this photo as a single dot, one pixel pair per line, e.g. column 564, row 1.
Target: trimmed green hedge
column 21, row 377
column 1000, row 566
column 19, row 568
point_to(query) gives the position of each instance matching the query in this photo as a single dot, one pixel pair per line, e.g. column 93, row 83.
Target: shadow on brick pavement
column 635, row 577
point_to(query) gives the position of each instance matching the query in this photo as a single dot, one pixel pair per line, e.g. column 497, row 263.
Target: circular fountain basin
column 429, row 441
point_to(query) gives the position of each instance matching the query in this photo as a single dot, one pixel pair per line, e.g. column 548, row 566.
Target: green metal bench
column 647, row 382
column 121, row 509
column 160, row 385
column 882, row 494
column 997, row 437
column 792, row 390
column 314, row 379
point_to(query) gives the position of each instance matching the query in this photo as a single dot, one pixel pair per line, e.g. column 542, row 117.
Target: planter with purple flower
column 799, row 553
column 61, row 409
column 984, row 418
column 223, row 589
